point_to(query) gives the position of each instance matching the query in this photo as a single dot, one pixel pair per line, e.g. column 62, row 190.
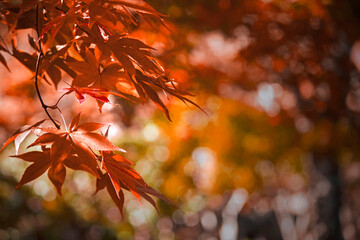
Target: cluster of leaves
column 75, row 148
column 88, row 41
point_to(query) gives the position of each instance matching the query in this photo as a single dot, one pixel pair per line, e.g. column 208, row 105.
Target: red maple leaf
column 120, row 175
column 42, row 161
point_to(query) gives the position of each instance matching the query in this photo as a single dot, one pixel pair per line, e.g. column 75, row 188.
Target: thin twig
column 63, row 11
column 82, row 29
column 45, row 107
column 62, row 116
column 55, row 106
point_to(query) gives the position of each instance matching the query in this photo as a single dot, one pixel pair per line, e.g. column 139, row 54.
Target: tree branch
column 45, row 107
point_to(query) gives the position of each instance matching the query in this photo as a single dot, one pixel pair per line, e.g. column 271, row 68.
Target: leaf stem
column 62, row 116
column 45, row 107
column 55, row 105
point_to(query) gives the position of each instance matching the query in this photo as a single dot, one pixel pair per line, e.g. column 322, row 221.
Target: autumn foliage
column 87, row 41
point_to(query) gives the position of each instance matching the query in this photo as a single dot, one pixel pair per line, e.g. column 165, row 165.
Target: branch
column 45, row 107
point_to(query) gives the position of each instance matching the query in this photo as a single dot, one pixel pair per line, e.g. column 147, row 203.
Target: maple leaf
column 43, row 161
column 21, row 131
column 125, row 8
column 40, row 163
column 95, row 80
column 73, row 148
column 99, row 94
column 117, row 16
column 54, row 26
column 146, row 84
column 144, row 75
column 117, row 197
column 98, row 13
column 52, row 62
column 25, row 58
column 129, row 51
column 120, row 175
column 79, row 140
column 91, row 73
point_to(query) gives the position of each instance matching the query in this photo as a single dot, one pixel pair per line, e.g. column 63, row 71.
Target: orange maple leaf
column 42, row 161
column 120, row 175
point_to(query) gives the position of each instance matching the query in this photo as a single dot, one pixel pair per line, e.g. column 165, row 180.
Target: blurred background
column 275, row 157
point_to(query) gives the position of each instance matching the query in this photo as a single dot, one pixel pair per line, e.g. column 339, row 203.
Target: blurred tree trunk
column 258, row 226
column 346, row 16
column 329, row 204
